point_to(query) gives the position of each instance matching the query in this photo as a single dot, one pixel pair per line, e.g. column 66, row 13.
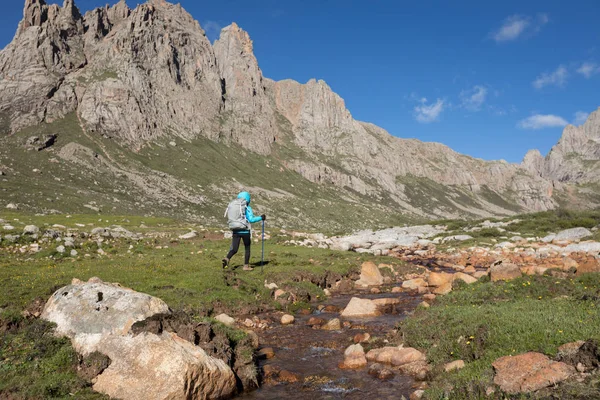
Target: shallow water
column 314, row 355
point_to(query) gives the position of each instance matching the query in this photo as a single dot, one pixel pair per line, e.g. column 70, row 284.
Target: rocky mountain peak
column 34, row 14
column 534, row 162
column 576, row 156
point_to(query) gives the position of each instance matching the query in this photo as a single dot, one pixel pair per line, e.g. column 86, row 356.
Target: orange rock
column 439, row 278
column 505, row 272
column 444, row 289
column 529, row 372
column 588, row 265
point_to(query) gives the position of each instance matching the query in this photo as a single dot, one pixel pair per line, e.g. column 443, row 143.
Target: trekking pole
column 262, row 256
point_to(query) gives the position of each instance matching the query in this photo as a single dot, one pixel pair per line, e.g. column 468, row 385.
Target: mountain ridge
column 141, row 76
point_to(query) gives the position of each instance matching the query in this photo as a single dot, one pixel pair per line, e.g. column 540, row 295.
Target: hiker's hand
column 264, row 217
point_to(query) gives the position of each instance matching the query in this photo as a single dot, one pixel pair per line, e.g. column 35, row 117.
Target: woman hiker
column 240, row 216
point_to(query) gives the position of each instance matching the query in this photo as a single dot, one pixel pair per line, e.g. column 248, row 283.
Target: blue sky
column 488, row 79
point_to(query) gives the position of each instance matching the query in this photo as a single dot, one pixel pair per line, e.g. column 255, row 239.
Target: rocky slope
column 575, row 158
column 130, row 84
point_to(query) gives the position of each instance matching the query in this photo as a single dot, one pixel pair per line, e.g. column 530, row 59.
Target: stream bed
column 311, row 356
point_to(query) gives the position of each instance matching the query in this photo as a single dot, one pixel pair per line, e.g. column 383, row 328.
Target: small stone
column 314, row 321
column 287, row 319
column 414, row 284
column 189, row 235
column 60, row 249
column 74, row 253
column 444, row 289
column 101, row 252
column 362, row 337
column 12, row 206
column 454, row 365
column 396, row 289
column 333, row 325
column 417, row 394
column 271, row 286
column 380, row 371
column 354, row 357
column 278, row 293
column 288, row 377
column 225, row 319
column 266, row 353
column 31, row 230
column 429, row 297
column 424, row 304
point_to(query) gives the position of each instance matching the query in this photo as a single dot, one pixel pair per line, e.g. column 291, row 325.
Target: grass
column 485, row 321
column 34, row 364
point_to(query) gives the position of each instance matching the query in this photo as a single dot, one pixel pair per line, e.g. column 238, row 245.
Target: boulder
column 360, row 308
column 505, row 272
column 529, row 372
column 572, row 234
column 149, row 366
column 98, row 317
column 369, row 275
column 86, row 312
column 354, row 357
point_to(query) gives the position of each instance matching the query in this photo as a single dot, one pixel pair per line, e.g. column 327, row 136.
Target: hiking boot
column 225, row 262
column 248, row 268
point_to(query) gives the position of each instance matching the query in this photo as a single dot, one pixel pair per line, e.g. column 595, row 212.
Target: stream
column 313, row 355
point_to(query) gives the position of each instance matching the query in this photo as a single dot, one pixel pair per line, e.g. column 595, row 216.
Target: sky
column 491, row 79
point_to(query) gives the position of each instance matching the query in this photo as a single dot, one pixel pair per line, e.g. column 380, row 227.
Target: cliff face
column 141, row 75
column 576, row 156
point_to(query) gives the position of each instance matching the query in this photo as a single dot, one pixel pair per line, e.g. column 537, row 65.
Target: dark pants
column 235, row 245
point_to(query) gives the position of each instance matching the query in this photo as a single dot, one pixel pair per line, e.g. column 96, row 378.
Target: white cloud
column 512, row 28
column 429, row 113
column 474, row 98
column 540, row 121
column 556, row 78
column 518, row 25
column 212, row 29
column 580, row 118
column 588, row 69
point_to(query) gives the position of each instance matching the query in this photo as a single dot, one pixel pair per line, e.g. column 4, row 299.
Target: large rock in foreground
column 529, row 372
column 88, row 312
column 149, row 366
column 98, row 316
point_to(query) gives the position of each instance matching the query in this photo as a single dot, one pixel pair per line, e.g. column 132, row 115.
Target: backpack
column 236, row 215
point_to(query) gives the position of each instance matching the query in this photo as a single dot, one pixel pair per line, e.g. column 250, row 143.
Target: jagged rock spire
column 34, row 13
